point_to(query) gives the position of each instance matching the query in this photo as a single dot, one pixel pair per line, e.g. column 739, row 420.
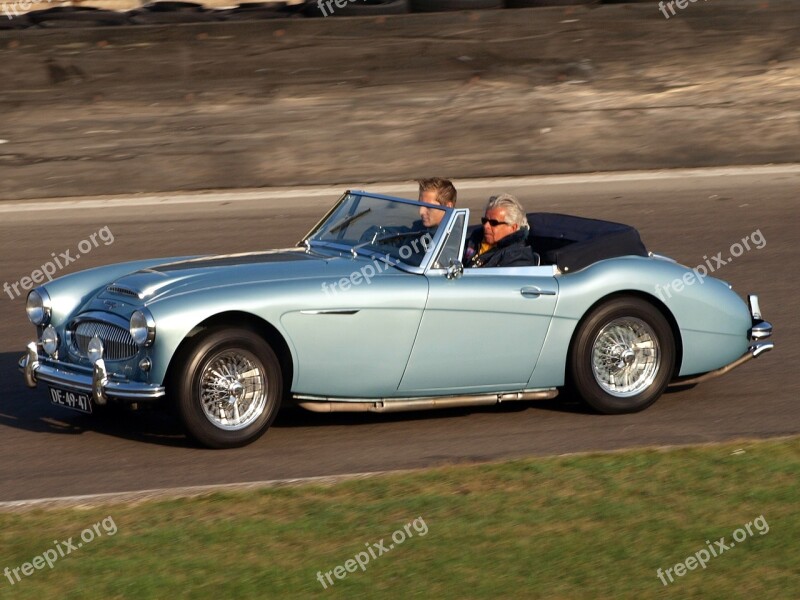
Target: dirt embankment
column 491, row 93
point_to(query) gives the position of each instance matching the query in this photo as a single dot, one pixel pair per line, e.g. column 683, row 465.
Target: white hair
column 515, row 213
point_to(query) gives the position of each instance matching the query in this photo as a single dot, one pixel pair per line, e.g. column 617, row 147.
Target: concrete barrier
column 485, row 93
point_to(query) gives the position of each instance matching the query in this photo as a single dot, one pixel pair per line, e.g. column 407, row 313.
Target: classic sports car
column 372, row 311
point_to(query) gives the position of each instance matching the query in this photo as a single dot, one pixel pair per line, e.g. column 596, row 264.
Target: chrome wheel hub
column 235, row 392
column 233, row 389
column 625, row 357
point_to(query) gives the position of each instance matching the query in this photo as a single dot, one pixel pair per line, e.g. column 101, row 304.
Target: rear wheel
column 622, row 356
column 228, row 388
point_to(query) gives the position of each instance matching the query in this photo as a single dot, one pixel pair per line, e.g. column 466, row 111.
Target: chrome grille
column 117, row 342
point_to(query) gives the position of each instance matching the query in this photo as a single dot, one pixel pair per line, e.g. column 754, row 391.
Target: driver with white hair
column 503, row 239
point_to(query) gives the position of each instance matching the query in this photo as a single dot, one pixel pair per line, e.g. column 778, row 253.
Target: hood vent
column 122, row 291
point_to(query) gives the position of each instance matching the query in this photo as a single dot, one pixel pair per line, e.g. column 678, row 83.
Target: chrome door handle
column 531, row 291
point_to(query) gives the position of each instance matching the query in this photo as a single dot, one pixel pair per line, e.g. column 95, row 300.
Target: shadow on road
column 30, row 410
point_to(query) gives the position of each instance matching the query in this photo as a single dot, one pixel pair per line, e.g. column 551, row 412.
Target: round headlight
column 142, row 327
column 38, row 306
column 50, row 340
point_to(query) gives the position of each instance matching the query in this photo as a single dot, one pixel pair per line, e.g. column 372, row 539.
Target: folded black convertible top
column 573, row 243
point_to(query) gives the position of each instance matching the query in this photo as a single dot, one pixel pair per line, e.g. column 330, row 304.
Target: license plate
column 73, row 400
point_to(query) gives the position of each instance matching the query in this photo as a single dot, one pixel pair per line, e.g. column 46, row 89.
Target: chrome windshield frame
column 364, row 252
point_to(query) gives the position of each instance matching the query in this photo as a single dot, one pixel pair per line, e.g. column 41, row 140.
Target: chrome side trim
column 753, row 351
column 94, row 381
column 385, row 405
column 330, row 311
column 527, row 271
column 661, row 257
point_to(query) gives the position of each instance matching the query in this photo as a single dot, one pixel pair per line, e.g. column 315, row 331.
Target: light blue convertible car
column 374, row 312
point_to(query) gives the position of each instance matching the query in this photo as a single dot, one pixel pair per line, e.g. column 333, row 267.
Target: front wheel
column 228, row 387
column 622, row 356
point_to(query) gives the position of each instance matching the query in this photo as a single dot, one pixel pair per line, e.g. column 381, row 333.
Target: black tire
column 648, row 364
column 444, row 5
column 229, row 351
column 357, row 8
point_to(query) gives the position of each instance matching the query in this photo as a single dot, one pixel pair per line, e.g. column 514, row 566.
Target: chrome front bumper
column 94, row 381
column 759, row 331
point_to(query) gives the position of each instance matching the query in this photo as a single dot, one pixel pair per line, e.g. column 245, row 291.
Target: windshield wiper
column 347, row 220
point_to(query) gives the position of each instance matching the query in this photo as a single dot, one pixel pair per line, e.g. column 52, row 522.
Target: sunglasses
column 493, row 222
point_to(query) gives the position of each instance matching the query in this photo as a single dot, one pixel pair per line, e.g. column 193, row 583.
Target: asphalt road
column 48, row 451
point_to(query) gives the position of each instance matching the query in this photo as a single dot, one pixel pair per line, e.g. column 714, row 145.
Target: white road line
column 286, row 193
column 89, row 500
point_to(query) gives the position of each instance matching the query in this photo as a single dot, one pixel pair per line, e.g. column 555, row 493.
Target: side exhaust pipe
column 387, row 405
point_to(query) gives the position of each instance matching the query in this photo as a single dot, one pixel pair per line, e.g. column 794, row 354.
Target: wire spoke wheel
column 625, row 357
column 228, row 387
column 233, row 389
column 622, row 355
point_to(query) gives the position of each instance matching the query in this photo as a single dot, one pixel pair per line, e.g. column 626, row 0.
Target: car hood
column 187, row 275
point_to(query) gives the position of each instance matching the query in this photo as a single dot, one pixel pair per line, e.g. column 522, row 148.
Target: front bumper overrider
column 95, row 381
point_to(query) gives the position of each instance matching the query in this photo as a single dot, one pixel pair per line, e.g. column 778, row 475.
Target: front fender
column 177, row 315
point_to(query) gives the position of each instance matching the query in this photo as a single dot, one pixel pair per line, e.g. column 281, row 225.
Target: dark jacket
column 512, row 251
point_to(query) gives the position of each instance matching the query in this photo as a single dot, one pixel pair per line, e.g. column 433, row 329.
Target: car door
column 355, row 343
column 482, row 330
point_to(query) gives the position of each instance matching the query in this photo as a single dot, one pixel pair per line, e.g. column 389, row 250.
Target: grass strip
column 589, row 526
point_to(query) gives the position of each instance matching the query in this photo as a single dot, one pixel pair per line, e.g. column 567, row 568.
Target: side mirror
column 454, row 270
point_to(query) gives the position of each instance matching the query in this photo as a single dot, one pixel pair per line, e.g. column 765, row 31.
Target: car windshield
column 383, row 226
